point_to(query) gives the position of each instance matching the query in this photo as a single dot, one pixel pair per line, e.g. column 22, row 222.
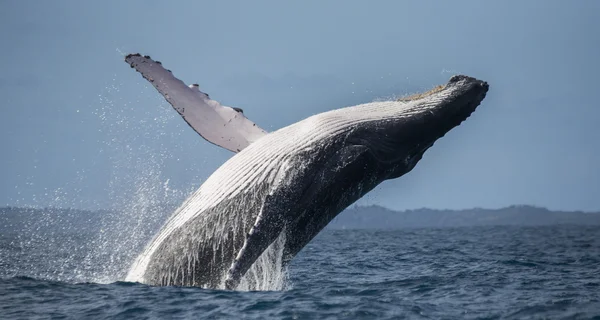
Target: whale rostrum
column 280, row 189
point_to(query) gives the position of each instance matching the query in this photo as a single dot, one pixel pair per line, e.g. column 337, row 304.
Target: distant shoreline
column 378, row 217
column 355, row 217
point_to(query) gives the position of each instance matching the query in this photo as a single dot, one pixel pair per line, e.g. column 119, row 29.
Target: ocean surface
column 450, row 273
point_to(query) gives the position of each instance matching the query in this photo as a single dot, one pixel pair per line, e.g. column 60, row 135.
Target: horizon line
column 354, row 206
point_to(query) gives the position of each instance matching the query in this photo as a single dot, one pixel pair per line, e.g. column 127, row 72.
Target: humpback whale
column 286, row 185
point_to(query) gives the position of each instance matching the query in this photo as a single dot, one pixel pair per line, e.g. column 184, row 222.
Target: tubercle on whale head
column 457, row 83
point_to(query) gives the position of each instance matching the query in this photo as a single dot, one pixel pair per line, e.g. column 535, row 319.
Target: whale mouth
column 466, row 96
column 425, row 118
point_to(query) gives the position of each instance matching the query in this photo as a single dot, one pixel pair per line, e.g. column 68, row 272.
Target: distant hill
column 15, row 219
column 376, row 217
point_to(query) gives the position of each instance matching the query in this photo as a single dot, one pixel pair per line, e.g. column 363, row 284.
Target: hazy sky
column 80, row 128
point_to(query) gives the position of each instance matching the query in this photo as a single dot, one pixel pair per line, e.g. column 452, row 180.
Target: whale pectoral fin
column 266, row 229
column 221, row 125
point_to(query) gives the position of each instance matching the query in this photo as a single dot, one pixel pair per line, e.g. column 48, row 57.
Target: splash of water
column 101, row 247
column 141, row 199
column 138, row 214
column 268, row 273
column 138, row 190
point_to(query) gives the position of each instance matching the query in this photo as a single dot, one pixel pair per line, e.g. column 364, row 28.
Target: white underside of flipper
column 224, row 126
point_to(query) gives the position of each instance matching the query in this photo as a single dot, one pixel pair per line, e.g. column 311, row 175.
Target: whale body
column 285, row 186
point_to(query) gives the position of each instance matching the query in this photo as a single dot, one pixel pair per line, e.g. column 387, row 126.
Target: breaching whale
column 286, row 185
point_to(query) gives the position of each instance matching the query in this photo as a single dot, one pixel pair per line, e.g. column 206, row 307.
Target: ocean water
column 453, row 273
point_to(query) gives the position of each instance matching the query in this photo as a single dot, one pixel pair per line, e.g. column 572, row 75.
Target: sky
column 79, row 128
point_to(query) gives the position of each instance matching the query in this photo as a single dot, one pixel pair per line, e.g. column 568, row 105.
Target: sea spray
column 138, row 144
column 268, row 273
column 99, row 245
column 139, row 147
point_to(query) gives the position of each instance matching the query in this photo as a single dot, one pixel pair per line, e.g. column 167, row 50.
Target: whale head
column 399, row 132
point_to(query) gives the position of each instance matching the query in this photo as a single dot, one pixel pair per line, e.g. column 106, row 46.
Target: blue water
column 460, row 273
